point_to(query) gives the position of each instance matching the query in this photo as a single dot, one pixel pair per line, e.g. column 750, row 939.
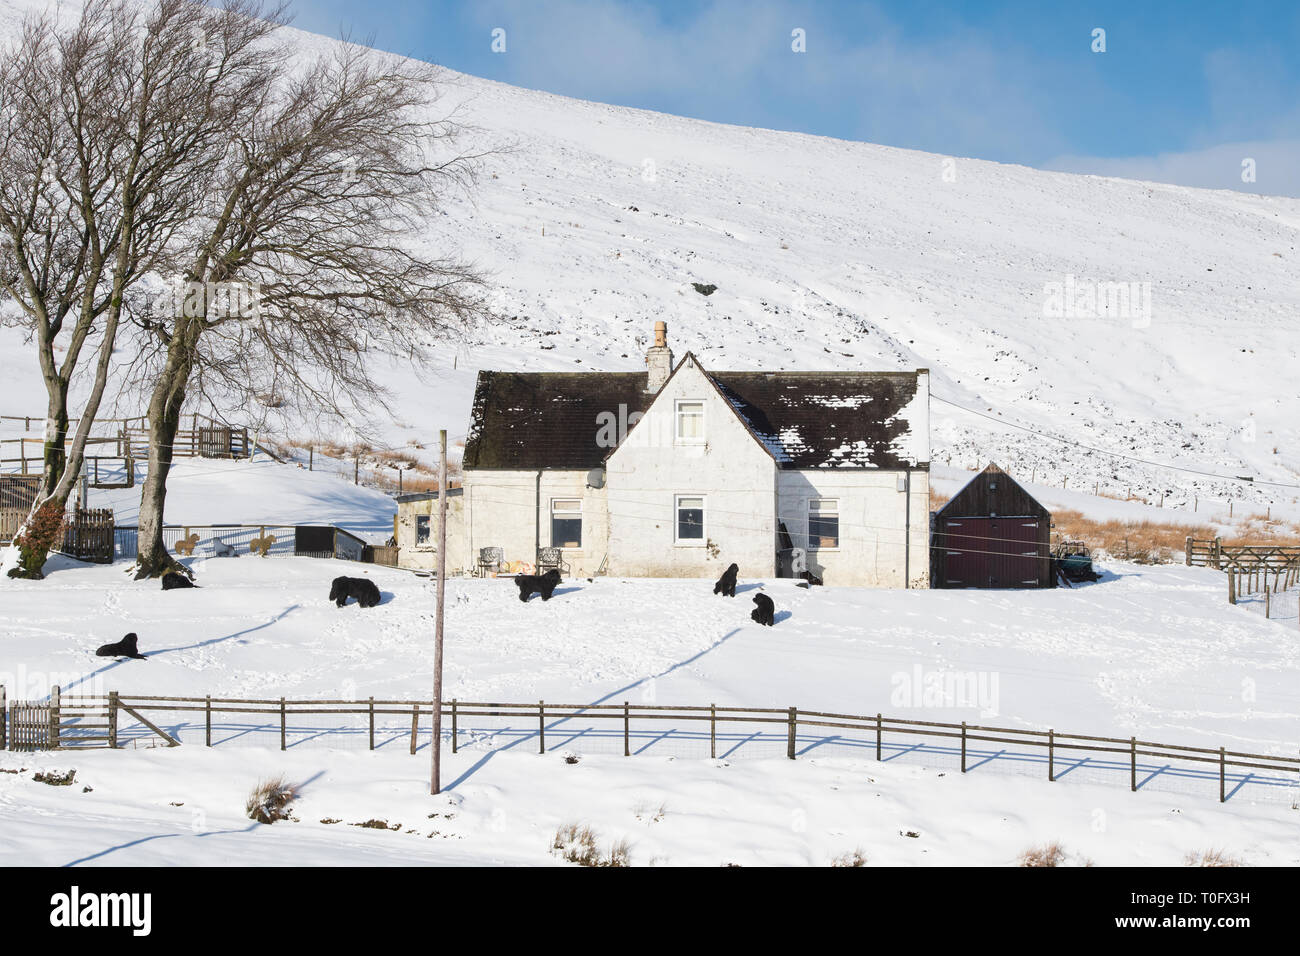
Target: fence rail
column 1213, row 553
column 799, row 731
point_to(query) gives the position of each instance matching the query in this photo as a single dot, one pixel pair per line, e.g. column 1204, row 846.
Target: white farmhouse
column 680, row 471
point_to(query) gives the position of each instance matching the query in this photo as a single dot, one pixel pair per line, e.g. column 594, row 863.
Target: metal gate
column 993, row 552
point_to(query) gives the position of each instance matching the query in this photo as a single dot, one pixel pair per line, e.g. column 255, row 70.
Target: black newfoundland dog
column 363, row 589
column 174, row 579
column 765, row 610
column 123, row 648
column 543, row 584
column 727, row 583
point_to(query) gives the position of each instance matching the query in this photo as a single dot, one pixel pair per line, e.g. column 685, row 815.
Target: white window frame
column 703, row 539
column 839, row 532
column 678, row 417
column 568, row 512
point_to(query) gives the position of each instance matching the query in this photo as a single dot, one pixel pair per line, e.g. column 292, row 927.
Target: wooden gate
column 31, row 726
column 88, row 536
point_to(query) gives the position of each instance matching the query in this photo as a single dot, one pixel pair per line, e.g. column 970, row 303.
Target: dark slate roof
column 547, row 420
column 826, row 419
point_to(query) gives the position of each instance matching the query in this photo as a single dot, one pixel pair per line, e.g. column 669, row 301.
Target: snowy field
column 1153, row 652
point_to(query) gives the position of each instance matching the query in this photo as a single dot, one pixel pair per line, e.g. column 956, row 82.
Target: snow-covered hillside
column 832, row 255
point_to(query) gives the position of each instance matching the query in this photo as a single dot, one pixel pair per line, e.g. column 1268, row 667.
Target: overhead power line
column 1114, row 454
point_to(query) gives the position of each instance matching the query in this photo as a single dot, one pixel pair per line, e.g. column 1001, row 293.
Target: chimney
column 659, row 359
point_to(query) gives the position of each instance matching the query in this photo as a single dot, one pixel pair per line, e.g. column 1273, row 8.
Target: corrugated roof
column 546, row 420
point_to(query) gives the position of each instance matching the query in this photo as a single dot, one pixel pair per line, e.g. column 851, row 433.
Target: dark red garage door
column 992, row 552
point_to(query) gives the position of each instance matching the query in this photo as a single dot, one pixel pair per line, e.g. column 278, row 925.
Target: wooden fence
column 1051, row 747
column 1213, row 553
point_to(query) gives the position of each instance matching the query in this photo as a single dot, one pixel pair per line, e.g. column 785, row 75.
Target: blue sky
column 1184, row 92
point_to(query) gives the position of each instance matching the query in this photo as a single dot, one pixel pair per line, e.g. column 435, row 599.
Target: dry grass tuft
column 56, row 779
column 1212, row 857
column 1049, row 854
column 578, row 844
column 856, row 858
column 270, row 801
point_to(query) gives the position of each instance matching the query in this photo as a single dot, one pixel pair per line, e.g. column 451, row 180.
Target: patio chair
column 491, row 560
column 548, row 558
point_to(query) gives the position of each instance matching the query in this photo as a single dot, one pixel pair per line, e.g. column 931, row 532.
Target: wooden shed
column 992, row 534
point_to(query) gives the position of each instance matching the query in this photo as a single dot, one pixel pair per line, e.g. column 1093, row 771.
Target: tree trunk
column 153, row 559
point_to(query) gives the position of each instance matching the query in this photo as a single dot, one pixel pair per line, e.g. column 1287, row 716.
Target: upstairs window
column 823, row 523
column 566, row 523
column 690, row 421
column 690, row 519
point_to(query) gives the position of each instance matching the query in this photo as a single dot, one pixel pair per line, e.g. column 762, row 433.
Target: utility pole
column 436, row 784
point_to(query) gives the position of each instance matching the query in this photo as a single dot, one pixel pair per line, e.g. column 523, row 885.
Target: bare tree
column 106, row 131
column 307, row 254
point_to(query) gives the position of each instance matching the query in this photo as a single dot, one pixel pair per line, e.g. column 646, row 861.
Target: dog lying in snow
column 126, row 647
column 363, row 589
column 764, row 611
column 174, row 579
column 727, row 583
column 543, row 584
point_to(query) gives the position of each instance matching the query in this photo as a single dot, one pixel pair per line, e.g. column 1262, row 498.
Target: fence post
column 453, row 725
column 877, row 736
column 372, row 723
column 1188, row 553
column 1222, row 760
column 963, row 746
column 415, row 725
column 541, row 726
column 1133, row 764
column 790, row 732
column 1232, row 586
column 283, row 722
column 1051, row 756
column 53, row 742
column 4, row 720
column 207, row 720
column 627, row 731
column 112, row 720
column 1267, row 593
column 713, row 731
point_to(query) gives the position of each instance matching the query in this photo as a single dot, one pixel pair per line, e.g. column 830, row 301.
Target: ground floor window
column 566, row 523
column 690, row 518
column 421, row 529
column 823, row 523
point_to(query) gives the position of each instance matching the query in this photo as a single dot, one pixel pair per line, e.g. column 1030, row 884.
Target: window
column 421, row 529
column 690, row 421
column 566, row 523
column 690, row 520
column 823, row 523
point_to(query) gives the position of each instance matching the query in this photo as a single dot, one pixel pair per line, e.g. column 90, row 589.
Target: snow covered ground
column 1149, row 651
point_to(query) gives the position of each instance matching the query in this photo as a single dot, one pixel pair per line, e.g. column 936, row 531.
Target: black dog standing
column 764, row 613
column 363, row 589
column 726, row 585
column 543, row 584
